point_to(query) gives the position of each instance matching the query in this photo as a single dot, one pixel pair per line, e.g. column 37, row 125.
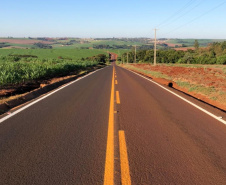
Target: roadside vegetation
column 29, row 69
column 199, row 71
column 190, row 42
column 215, row 53
column 22, row 67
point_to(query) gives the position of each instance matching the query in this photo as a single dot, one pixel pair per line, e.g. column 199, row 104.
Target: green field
column 21, row 72
column 21, row 45
column 42, row 64
column 190, row 42
column 115, row 42
column 74, row 43
column 53, row 53
column 96, row 42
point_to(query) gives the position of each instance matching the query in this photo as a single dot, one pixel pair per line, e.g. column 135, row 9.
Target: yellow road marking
column 109, row 163
column 116, row 82
column 115, row 76
column 125, row 174
column 117, row 97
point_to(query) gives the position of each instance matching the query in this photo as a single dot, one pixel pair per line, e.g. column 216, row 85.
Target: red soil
column 173, row 45
column 184, row 49
column 169, row 44
column 21, row 41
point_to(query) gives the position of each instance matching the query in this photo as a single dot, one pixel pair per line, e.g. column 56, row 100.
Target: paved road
column 61, row 139
column 155, row 138
column 168, row 140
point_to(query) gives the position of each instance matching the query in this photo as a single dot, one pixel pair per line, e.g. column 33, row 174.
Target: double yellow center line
column 109, row 163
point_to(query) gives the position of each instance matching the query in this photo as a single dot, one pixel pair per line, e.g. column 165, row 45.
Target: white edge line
column 196, row 106
column 49, row 94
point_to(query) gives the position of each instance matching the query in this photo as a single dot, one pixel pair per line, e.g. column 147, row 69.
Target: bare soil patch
column 169, row 44
column 184, row 49
column 22, row 41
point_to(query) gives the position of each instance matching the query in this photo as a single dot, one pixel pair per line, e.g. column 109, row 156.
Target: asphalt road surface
column 61, row 139
column 113, row 127
column 168, row 140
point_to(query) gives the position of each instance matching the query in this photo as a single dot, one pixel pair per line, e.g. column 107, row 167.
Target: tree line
column 215, row 53
column 106, row 46
column 4, row 44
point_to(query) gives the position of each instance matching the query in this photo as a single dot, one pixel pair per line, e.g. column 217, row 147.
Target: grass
column 207, row 91
column 222, row 67
column 148, row 72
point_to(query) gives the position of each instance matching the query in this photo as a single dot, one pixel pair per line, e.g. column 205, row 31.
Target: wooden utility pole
column 127, row 57
column 155, row 48
column 135, row 54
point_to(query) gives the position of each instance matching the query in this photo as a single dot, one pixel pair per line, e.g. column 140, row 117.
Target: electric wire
column 176, row 13
column 207, row 12
column 187, row 12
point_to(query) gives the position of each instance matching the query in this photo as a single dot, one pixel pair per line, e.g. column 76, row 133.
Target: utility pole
column 135, row 54
column 127, row 58
column 155, row 48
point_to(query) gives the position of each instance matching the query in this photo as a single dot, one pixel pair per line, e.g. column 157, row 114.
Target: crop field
column 62, row 43
column 41, row 64
column 13, row 73
column 53, row 53
column 96, row 42
column 190, row 42
column 112, row 42
column 76, row 43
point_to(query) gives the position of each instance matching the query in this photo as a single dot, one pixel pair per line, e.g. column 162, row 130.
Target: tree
column 196, row 45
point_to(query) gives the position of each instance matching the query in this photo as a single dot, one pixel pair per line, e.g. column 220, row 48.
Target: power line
column 177, row 12
column 192, row 8
column 197, row 17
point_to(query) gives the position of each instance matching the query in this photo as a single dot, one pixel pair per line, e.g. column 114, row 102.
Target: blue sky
column 113, row 18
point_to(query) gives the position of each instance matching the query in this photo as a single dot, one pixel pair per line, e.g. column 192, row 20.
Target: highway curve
column 113, row 127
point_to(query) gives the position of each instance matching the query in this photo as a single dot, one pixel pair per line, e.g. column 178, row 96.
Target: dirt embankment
column 204, row 83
